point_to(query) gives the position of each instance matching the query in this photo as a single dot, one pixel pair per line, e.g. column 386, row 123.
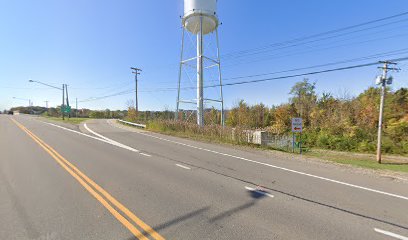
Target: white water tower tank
column 194, row 9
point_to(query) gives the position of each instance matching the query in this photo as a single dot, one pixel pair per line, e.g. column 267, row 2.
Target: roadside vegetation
column 390, row 162
column 341, row 123
column 331, row 124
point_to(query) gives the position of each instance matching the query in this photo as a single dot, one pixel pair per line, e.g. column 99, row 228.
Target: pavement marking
column 281, row 168
column 96, row 191
column 111, row 142
column 259, row 192
column 394, row 235
column 182, row 166
column 97, row 134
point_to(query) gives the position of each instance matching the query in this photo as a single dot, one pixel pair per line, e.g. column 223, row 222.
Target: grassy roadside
column 74, row 121
column 367, row 161
column 392, row 163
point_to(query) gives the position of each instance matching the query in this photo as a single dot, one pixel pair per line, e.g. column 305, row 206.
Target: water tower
column 200, row 20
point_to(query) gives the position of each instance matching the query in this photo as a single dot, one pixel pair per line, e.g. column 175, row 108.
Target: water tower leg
column 200, row 77
column 220, row 78
column 180, row 74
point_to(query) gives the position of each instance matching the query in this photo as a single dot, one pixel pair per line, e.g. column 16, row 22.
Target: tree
column 304, row 98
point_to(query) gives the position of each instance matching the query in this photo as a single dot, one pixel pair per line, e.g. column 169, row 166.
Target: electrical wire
column 319, row 34
column 295, row 53
column 259, row 80
column 374, row 56
column 325, row 38
column 307, row 74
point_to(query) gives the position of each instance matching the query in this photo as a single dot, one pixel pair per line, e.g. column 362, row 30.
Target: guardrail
column 133, row 124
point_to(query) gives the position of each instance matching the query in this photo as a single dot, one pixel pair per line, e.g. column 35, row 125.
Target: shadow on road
column 181, row 218
column 340, row 209
column 309, row 200
column 255, row 195
column 174, row 221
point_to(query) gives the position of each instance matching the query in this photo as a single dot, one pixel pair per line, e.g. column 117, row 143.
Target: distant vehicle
column 10, row 113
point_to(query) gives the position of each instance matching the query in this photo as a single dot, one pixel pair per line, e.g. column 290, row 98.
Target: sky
column 91, row 45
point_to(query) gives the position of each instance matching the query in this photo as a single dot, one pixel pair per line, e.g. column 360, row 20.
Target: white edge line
column 110, row 140
column 99, row 139
column 394, row 235
column 282, row 168
column 97, row 134
column 260, row 192
column 145, row 154
column 179, row 165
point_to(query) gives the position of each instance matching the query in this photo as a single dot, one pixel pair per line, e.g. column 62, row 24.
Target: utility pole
column 46, row 104
column 63, row 102
column 383, row 81
column 76, row 107
column 136, row 71
column 66, row 90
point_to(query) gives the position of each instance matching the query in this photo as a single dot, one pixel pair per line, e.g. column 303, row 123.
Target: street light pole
column 48, row 85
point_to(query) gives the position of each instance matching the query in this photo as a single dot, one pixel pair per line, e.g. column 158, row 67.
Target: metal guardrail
column 133, row 124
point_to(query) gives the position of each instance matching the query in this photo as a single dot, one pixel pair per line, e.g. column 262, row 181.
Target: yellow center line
column 77, row 174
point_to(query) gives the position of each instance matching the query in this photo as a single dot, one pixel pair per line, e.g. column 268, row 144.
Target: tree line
column 338, row 123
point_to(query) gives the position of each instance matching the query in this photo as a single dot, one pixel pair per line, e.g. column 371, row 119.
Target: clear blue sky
column 90, row 45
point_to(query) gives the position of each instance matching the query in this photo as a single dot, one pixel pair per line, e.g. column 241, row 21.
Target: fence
column 265, row 138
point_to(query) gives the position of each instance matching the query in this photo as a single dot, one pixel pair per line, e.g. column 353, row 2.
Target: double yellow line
column 98, row 192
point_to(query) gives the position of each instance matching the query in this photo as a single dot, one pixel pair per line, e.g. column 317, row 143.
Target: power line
column 260, row 80
column 325, row 38
column 309, row 51
column 294, row 53
column 378, row 55
column 319, row 34
column 302, row 74
column 300, row 39
column 385, row 54
column 310, row 73
column 107, row 96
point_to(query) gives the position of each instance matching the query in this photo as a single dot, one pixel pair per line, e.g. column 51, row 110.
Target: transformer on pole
column 200, row 19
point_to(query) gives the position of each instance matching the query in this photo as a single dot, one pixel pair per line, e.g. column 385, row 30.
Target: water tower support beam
column 180, row 74
column 200, row 77
column 220, row 78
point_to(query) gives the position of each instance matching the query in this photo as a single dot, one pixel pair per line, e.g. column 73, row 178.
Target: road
column 105, row 181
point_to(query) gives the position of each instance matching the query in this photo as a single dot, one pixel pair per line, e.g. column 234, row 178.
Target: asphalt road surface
column 105, row 181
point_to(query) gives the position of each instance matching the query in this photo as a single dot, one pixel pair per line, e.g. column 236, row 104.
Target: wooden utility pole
column 63, row 102
column 136, row 71
column 383, row 81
